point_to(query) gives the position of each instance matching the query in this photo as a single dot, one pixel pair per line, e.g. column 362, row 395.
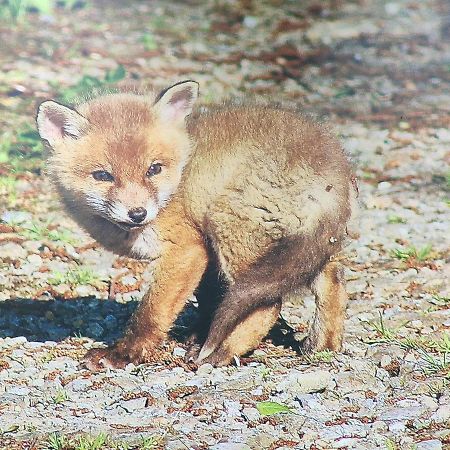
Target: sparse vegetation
column 101, row 441
column 60, row 396
column 15, row 10
column 37, row 231
column 88, row 85
column 410, row 254
column 393, row 219
column 322, row 356
column 149, row 42
column 21, row 151
column 76, row 277
column 433, row 353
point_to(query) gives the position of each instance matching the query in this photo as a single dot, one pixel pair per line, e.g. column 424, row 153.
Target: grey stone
column 251, row 414
column 12, row 250
column 133, row 405
column 179, row 352
column 205, row 369
column 16, row 217
column 432, row 444
column 442, row 414
column 402, row 413
column 230, row 446
column 305, row 382
column 79, row 385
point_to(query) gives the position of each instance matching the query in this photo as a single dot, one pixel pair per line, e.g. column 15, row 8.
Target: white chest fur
column 145, row 244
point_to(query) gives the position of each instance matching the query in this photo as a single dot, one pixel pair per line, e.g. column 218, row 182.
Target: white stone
column 442, row 414
column 305, row 382
column 179, row 352
column 432, row 444
column 251, row 414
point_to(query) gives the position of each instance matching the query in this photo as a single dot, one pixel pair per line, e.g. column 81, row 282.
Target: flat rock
column 298, row 382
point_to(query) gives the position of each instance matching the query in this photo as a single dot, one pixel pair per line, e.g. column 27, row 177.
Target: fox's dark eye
column 154, row 169
column 102, row 175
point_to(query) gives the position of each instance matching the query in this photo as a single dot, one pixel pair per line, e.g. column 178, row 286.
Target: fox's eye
column 154, row 169
column 102, row 175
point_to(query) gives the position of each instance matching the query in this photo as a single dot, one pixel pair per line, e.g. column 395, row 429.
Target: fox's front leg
column 181, row 265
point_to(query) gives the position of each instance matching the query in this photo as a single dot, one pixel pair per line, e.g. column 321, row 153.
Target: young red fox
column 258, row 194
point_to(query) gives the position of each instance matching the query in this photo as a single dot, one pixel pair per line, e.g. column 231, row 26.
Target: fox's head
column 122, row 155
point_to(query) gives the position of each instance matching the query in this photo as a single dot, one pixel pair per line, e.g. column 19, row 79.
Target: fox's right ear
column 56, row 122
column 176, row 102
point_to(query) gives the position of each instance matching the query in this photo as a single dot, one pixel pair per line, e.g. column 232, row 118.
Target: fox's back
column 267, row 161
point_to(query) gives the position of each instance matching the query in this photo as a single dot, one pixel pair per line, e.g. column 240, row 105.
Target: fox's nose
column 137, row 215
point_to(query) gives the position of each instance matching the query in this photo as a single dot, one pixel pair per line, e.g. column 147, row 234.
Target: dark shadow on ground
column 101, row 320
column 55, row 320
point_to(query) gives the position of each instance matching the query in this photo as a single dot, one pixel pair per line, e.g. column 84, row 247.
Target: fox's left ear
column 56, row 122
column 176, row 102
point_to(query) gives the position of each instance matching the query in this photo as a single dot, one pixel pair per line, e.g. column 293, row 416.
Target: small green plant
column 149, row 42
column 21, row 150
column 386, row 334
column 406, row 254
column 434, row 353
column 56, row 441
column 91, row 442
column 440, row 300
column 16, row 9
column 265, row 373
column 346, row 91
column 390, row 444
column 159, row 23
column 60, row 396
column 75, row 277
column 149, row 443
column 393, row 219
column 432, row 364
column 12, row 9
column 102, row 441
column 89, row 84
column 318, row 357
column 40, row 232
column 7, row 184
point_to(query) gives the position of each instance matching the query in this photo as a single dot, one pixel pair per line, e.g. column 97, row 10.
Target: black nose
column 137, row 215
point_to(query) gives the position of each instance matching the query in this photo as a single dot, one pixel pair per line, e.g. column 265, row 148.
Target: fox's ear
column 56, row 122
column 176, row 102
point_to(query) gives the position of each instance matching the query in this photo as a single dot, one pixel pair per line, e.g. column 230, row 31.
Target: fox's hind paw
column 218, row 358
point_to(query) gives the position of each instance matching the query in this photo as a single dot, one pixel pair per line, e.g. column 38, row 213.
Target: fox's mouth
column 130, row 226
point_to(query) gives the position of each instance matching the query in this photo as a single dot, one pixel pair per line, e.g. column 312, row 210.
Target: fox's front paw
column 99, row 359
column 117, row 356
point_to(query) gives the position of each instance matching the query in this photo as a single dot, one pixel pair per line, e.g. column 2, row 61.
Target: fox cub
column 258, row 197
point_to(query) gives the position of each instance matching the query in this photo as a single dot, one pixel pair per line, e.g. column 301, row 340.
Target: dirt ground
column 379, row 73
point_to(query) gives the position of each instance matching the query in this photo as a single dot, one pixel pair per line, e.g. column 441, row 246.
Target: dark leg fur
column 208, row 294
column 291, row 263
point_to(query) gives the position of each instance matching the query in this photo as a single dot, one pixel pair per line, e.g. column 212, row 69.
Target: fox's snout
column 137, row 215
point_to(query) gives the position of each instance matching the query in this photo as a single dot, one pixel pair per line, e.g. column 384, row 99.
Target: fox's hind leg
column 254, row 297
column 327, row 327
column 246, row 335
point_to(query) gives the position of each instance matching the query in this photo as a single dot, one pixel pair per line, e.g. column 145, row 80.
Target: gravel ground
column 379, row 72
